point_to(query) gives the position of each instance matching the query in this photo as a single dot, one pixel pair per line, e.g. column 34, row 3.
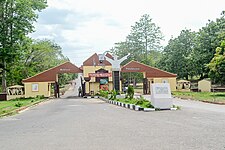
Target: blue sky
column 83, row 27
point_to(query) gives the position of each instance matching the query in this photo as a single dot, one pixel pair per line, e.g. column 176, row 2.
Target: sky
column 85, row 27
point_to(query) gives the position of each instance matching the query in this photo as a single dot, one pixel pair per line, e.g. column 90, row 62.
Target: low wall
column 3, row 96
column 9, row 97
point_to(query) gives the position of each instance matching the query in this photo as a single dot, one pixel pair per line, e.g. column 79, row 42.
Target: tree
column 143, row 41
column 217, row 65
column 145, row 37
column 210, row 37
column 16, row 21
column 178, row 55
column 38, row 55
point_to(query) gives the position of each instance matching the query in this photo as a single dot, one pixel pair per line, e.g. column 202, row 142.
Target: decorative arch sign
column 100, row 74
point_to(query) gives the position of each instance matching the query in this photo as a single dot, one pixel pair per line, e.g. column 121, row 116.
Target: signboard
column 35, row 87
column 64, row 69
column 100, row 74
column 161, row 95
column 133, row 69
column 103, row 81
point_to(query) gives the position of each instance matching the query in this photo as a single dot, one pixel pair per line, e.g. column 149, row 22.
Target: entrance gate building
column 40, row 84
column 151, row 75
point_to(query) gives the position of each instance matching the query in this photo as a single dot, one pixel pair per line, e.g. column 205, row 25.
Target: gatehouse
column 97, row 74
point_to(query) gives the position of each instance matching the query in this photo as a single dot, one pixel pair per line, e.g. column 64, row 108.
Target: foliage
column 130, row 92
column 144, row 103
column 217, row 65
column 113, row 94
column 140, row 102
column 65, row 78
column 38, row 55
column 18, row 104
column 16, row 22
column 104, row 93
column 188, row 54
column 40, row 97
column 143, row 42
column 178, row 55
column 11, row 106
column 210, row 37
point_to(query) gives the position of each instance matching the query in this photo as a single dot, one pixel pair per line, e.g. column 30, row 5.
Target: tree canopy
column 142, row 42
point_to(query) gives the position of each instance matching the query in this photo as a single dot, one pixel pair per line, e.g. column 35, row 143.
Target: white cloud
column 83, row 27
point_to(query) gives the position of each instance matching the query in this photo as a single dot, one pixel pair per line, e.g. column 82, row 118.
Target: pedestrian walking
column 79, row 90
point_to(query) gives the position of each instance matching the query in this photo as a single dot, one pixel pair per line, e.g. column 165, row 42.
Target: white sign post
column 161, row 96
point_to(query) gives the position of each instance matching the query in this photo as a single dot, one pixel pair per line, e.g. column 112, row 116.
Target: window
column 34, row 87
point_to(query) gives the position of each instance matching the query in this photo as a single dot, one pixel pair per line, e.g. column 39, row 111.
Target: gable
column 94, row 61
column 50, row 74
column 150, row 72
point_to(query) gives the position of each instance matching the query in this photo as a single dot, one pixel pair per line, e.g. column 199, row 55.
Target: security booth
column 151, row 75
column 41, row 83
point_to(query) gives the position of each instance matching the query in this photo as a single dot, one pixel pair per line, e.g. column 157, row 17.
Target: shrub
column 18, row 104
column 113, row 95
column 104, row 93
column 40, row 96
column 144, row 103
column 130, row 92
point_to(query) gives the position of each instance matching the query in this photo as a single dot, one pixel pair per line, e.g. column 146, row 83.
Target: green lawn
column 10, row 107
column 218, row 97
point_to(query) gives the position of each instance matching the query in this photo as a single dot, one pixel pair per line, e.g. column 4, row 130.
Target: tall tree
column 38, row 55
column 145, row 37
column 143, row 41
column 178, row 55
column 217, row 65
column 16, row 21
column 210, row 37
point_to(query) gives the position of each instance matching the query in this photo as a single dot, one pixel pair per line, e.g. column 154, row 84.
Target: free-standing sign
column 161, row 95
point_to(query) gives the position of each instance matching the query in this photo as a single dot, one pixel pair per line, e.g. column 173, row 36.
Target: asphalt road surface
column 74, row 123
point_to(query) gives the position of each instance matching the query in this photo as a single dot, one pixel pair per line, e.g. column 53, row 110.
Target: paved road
column 74, row 124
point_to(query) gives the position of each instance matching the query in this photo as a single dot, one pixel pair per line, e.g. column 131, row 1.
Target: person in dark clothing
column 79, row 90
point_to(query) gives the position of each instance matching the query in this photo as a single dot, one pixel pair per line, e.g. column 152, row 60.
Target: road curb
column 128, row 106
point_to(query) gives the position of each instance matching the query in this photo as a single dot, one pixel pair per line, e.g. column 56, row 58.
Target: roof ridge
column 152, row 67
column 48, row 70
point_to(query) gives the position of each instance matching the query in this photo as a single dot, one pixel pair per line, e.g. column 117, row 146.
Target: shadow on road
column 72, row 97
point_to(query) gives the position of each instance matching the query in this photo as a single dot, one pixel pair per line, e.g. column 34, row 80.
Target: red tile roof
column 50, row 74
column 93, row 60
column 150, row 72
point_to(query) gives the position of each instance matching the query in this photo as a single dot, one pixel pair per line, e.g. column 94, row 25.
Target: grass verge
column 141, row 102
column 12, row 107
column 218, row 97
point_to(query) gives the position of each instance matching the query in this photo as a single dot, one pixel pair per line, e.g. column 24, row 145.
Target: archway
column 150, row 75
column 40, row 84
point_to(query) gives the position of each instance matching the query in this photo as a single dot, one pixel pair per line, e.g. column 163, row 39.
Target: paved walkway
column 73, row 89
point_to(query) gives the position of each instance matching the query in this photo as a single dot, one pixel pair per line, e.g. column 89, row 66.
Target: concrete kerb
column 91, row 97
column 132, row 106
column 128, row 106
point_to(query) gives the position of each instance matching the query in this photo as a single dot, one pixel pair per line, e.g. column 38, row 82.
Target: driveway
column 75, row 123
